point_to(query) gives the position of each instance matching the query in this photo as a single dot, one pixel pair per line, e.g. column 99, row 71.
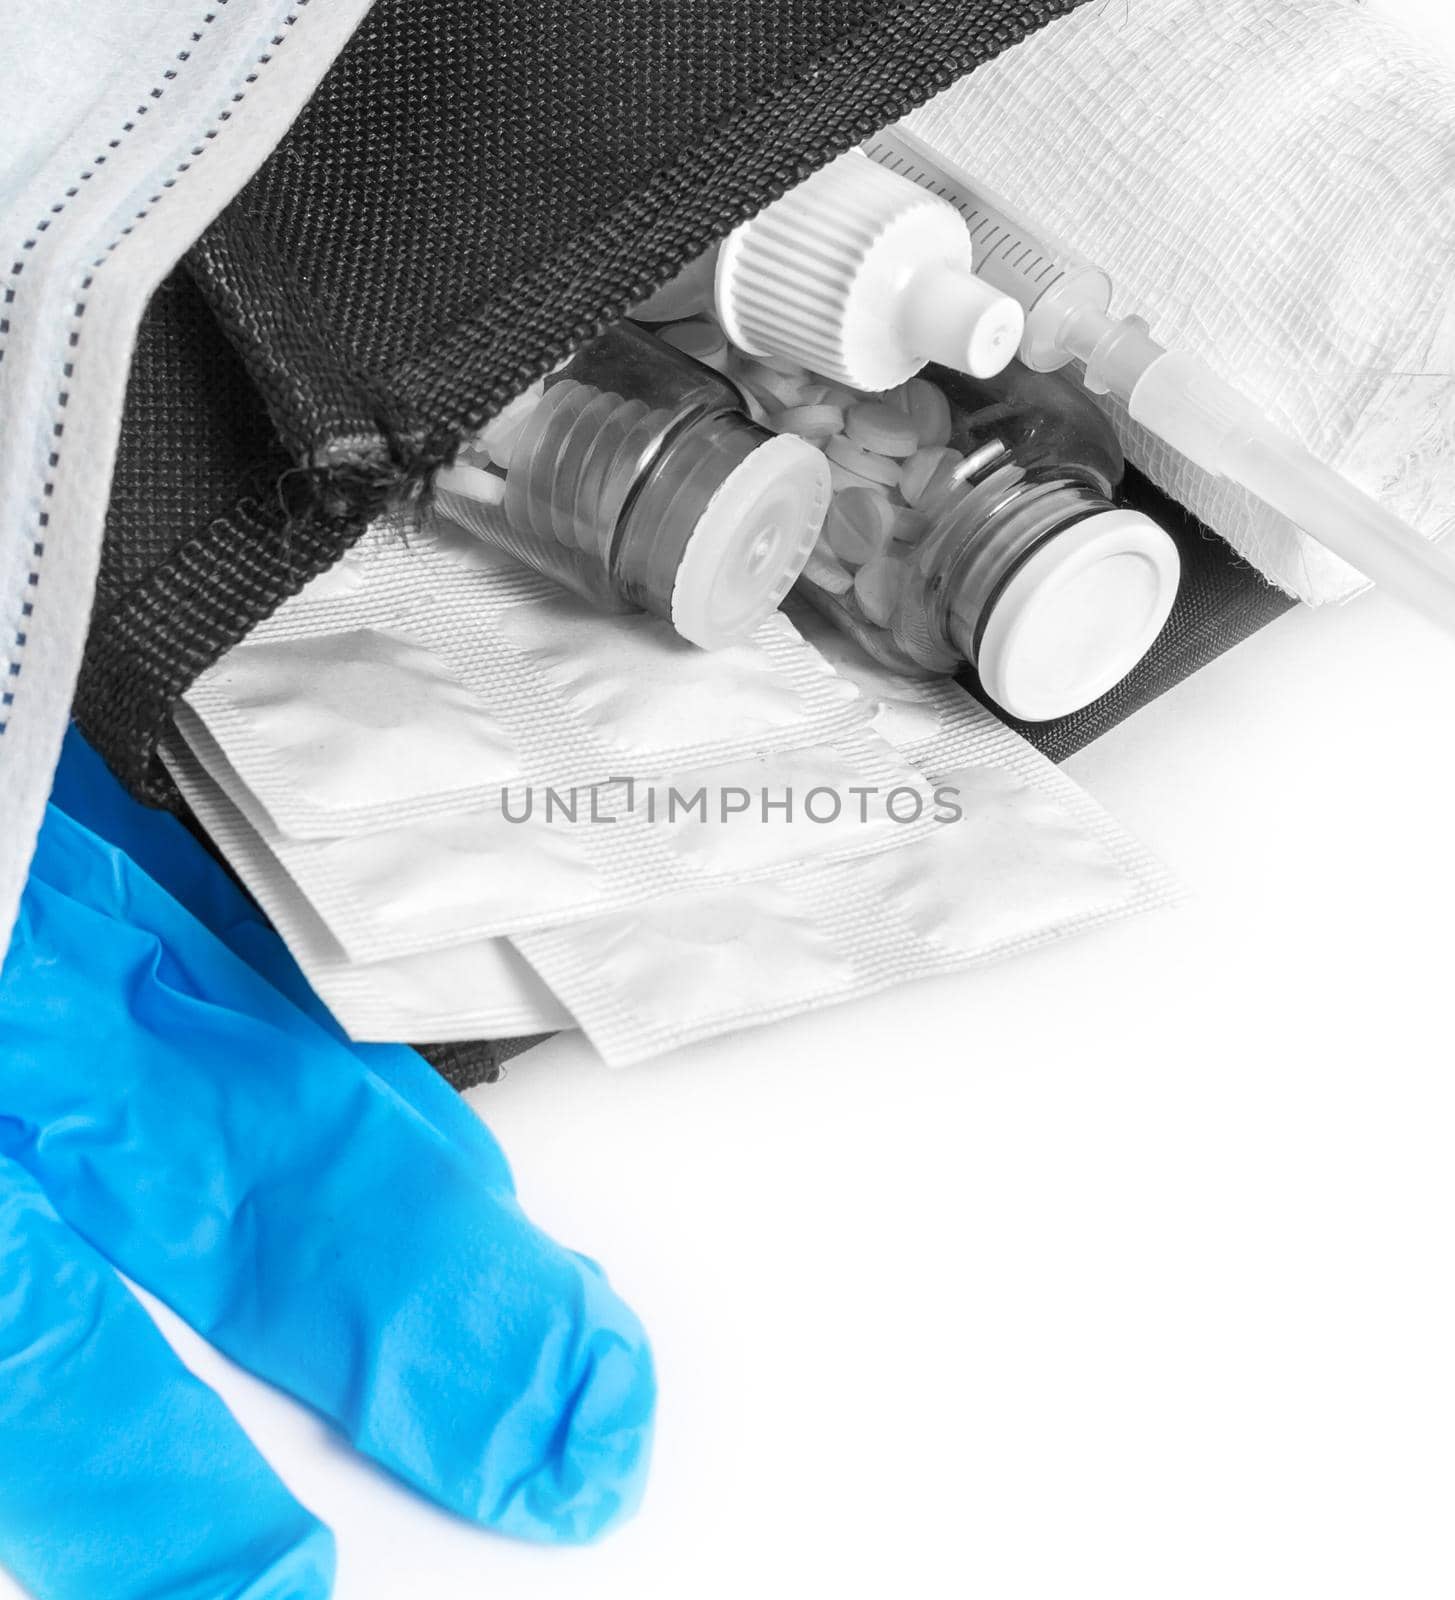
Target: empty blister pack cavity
column 556, row 855
column 483, row 989
column 441, row 673
column 1018, row 856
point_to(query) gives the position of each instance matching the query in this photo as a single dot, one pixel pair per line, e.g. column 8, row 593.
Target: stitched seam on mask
column 15, row 661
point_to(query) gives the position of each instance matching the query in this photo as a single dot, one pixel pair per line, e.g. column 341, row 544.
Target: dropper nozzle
column 957, row 319
column 862, row 276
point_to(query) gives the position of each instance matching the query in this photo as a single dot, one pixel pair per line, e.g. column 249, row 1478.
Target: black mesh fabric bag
column 476, row 189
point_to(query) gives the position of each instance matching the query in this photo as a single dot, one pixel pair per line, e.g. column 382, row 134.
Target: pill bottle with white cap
column 633, row 475
column 973, row 522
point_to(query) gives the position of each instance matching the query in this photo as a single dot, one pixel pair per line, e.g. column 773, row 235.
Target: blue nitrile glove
column 332, row 1217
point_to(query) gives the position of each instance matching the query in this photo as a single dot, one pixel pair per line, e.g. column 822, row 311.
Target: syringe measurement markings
column 919, row 175
column 999, row 238
column 985, row 231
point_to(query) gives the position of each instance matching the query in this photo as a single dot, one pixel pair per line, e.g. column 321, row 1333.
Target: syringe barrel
column 1067, row 300
column 1047, row 277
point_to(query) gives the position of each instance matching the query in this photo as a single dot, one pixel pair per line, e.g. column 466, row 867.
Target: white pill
column 499, row 435
column 858, row 525
column 922, row 469
column 819, row 423
column 824, row 571
column 835, row 394
column 881, row 429
column 785, row 389
column 783, row 364
column 951, row 473
column 700, row 339
column 909, row 526
column 502, row 445
column 478, row 485
column 842, row 479
column 689, row 294
column 876, row 468
column 929, row 411
column 877, row 586
column 760, row 407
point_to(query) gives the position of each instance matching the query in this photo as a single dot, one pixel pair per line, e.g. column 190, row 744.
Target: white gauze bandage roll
column 1271, row 183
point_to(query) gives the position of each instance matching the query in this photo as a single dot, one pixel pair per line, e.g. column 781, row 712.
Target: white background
column 1123, row 1270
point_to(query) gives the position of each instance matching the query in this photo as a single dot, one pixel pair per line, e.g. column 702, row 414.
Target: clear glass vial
column 974, row 522
column 633, row 475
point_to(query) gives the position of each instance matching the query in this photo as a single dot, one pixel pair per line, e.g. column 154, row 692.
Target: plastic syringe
column 1172, row 394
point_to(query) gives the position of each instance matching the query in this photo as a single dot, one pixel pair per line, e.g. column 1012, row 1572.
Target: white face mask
column 1268, row 183
column 96, row 205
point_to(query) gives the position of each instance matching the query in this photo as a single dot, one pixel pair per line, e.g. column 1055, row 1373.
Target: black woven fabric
column 475, row 189
column 463, row 1066
column 204, row 533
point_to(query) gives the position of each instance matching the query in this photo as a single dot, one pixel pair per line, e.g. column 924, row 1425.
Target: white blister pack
column 557, row 855
column 425, row 674
column 1029, row 858
column 483, row 989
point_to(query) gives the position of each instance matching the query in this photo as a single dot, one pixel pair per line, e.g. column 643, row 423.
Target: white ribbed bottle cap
column 751, row 543
column 861, row 275
column 1077, row 616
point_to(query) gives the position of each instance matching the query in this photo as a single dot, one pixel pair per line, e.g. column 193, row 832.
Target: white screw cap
column 861, row 275
column 750, row 544
column 1078, row 615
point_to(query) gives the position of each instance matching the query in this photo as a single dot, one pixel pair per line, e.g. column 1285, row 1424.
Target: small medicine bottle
column 633, row 475
column 973, row 522
column 857, row 273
